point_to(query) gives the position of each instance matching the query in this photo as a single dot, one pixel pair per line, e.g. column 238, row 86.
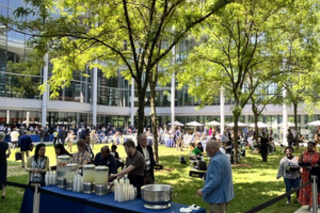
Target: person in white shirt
column 14, row 138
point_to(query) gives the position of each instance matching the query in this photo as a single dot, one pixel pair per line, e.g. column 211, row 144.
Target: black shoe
column 3, row 196
column 22, row 166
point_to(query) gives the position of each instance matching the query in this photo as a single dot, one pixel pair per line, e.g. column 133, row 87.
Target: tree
column 232, row 45
column 122, row 34
column 297, row 45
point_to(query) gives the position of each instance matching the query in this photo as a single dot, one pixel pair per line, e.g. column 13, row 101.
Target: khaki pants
column 218, row 208
column 22, row 156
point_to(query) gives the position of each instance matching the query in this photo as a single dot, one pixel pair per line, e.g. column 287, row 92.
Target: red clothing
column 305, row 194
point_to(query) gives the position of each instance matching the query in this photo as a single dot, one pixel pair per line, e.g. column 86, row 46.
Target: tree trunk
column 256, row 115
column 295, row 115
column 141, row 96
column 154, row 119
column 235, row 136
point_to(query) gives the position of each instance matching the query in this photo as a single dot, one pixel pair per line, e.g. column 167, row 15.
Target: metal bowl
column 157, row 196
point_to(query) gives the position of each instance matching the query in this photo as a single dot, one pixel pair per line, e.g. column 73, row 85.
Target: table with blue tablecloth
column 54, row 199
column 169, row 142
column 150, row 141
column 35, row 138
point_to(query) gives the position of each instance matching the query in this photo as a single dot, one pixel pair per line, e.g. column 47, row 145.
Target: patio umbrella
column 260, row 125
column 213, row 123
column 176, row 123
column 239, row 124
column 314, row 123
column 194, row 123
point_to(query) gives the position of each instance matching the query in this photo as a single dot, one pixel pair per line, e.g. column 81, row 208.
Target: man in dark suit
column 64, row 133
column 147, row 152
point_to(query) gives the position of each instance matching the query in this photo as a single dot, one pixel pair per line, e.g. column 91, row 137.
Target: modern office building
column 22, row 102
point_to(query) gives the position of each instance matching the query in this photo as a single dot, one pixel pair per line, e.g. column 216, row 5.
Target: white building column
column 8, row 117
column 45, row 94
column 284, row 117
column 27, row 119
column 221, row 110
column 94, row 95
column 132, row 104
column 173, row 86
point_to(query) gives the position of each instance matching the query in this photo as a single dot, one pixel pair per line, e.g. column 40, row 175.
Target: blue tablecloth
column 53, row 203
column 169, row 142
column 35, row 138
column 133, row 205
column 149, row 141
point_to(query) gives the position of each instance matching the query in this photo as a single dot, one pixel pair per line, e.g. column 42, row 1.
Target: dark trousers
column 55, row 140
column 264, row 153
column 292, row 184
column 137, row 181
column 119, row 164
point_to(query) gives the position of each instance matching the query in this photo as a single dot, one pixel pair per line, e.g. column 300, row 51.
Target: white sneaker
column 288, row 202
column 311, row 209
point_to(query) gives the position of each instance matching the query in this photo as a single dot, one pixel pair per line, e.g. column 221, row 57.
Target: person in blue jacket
column 25, row 146
column 218, row 188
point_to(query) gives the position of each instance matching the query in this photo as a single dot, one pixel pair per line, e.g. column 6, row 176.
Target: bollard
column 314, row 193
column 36, row 197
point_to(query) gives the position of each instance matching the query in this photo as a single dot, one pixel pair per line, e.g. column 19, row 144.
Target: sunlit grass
column 254, row 183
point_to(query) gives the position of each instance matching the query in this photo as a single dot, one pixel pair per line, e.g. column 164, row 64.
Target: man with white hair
column 218, row 187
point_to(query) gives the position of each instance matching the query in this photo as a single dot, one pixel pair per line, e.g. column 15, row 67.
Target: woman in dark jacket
column 264, row 142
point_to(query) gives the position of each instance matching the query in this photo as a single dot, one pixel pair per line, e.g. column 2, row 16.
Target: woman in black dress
column 4, row 154
column 264, row 143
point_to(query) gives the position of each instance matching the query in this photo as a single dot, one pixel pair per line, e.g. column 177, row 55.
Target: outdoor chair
column 192, row 159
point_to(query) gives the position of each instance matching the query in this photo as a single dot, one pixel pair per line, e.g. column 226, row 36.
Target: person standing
column 69, row 140
column 104, row 158
column 147, row 152
column 135, row 166
column 264, row 143
column 178, row 139
column 38, row 165
column 88, row 148
column 14, row 138
column 4, row 154
column 119, row 161
column 290, row 138
column 289, row 169
column 63, row 136
column 218, row 187
column 25, row 144
column 309, row 159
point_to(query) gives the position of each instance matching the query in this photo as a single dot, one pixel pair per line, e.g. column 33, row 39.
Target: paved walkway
column 304, row 209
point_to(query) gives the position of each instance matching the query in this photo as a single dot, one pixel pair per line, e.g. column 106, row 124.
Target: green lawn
column 254, row 181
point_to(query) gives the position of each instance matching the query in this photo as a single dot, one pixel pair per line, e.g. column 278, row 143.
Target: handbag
column 18, row 156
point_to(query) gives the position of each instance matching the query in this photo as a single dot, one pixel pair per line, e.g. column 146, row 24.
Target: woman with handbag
column 38, row 165
column 289, row 169
column 4, row 154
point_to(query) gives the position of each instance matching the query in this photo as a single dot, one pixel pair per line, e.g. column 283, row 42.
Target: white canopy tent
column 176, row 123
column 213, row 123
column 260, row 125
column 289, row 124
column 194, row 123
column 239, row 124
column 314, row 123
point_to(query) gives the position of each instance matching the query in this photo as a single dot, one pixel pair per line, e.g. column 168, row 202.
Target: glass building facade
column 22, row 100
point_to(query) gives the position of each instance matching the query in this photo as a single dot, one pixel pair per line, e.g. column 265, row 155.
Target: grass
column 254, row 181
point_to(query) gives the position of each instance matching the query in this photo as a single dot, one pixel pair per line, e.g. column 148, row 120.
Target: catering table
column 169, row 142
column 35, row 138
column 150, row 141
column 53, row 199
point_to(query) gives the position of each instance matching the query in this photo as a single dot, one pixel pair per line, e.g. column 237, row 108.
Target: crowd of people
column 139, row 163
